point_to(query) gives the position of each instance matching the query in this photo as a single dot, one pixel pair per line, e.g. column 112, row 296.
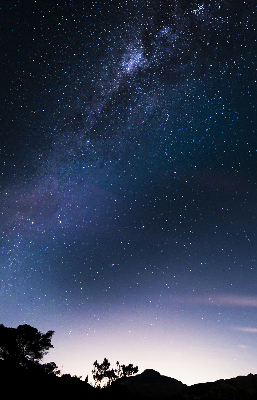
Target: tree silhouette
column 24, row 345
column 103, row 375
column 51, row 368
column 125, row 370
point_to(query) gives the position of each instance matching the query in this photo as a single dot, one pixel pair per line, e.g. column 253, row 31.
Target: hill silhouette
column 150, row 384
column 239, row 388
column 22, row 373
column 154, row 386
column 32, row 383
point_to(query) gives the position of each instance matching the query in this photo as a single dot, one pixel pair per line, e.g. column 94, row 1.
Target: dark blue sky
column 128, row 182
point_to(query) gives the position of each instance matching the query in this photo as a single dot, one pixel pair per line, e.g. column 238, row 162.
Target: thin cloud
column 227, row 300
column 247, row 329
column 236, row 301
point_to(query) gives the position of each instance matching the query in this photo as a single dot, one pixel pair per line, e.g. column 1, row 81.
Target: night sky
column 128, row 182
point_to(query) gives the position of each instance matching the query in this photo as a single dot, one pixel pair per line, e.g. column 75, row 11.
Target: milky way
column 128, row 186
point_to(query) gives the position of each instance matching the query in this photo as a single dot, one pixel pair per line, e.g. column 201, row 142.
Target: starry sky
column 128, row 182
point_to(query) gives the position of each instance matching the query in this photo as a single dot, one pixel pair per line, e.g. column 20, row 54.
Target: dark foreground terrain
column 17, row 382
column 151, row 385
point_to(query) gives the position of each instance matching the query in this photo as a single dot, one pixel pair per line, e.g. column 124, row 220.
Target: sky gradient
column 128, row 182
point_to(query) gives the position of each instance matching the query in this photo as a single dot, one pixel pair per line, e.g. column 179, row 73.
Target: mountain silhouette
column 239, row 388
column 149, row 384
column 152, row 385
